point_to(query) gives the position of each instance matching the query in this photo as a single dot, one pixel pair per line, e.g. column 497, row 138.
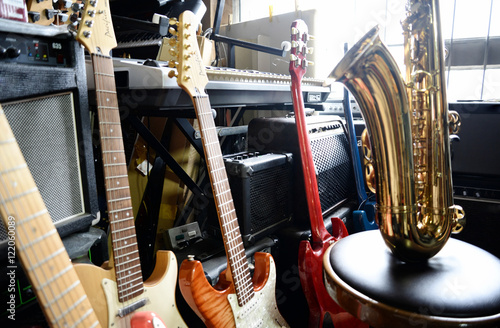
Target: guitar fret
column 119, row 272
column 45, row 260
column 117, row 176
column 228, row 213
column 104, row 74
column 122, row 247
column 219, row 182
column 130, row 287
column 119, row 199
column 112, row 151
column 15, row 168
column 27, row 192
column 120, row 210
column 128, row 262
column 114, row 164
column 116, row 221
column 107, row 107
column 123, row 229
column 85, row 316
column 72, row 307
column 123, row 255
column 117, row 188
column 7, row 141
column 124, row 238
column 31, row 217
column 57, row 276
column 223, row 192
column 128, row 276
column 109, row 123
column 106, row 91
column 37, row 240
column 65, row 292
column 225, row 203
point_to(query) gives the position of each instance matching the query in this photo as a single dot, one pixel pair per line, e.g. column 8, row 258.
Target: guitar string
column 122, row 232
column 239, row 265
column 35, row 226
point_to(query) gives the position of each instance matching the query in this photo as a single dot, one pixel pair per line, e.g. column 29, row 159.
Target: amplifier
column 261, row 185
column 330, row 151
column 44, row 97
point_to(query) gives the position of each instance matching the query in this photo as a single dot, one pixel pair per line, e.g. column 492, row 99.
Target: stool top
column 461, row 281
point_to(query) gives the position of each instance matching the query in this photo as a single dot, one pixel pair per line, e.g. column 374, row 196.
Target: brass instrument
column 409, row 126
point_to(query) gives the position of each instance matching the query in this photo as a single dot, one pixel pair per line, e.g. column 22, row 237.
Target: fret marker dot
column 107, row 99
column 125, row 242
column 110, row 130
column 128, row 258
column 117, row 182
column 14, row 184
column 128, row 213
column 129, row 271
column 114, row 159
column 116, row 216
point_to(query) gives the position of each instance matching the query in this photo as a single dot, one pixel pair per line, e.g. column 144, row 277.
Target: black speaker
column 261, row 186
column 44, row 96
column 330, row 151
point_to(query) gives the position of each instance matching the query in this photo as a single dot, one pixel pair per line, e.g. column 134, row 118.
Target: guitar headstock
column 95, row 28
column 299, row 50
column 191, row 75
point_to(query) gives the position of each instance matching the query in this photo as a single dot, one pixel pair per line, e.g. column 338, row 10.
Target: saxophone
column 408, row 125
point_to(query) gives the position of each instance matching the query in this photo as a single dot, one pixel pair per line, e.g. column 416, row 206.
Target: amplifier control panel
column 34, row 50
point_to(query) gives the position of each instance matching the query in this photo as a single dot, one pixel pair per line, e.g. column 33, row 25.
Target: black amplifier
column 261, row 185
column 330, row 151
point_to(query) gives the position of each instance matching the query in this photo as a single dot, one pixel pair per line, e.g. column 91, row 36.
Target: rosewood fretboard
column 124, row 242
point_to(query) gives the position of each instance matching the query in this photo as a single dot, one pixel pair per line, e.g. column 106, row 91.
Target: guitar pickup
column 132, row 307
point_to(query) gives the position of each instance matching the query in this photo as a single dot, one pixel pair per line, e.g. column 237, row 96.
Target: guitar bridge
column 132, row 307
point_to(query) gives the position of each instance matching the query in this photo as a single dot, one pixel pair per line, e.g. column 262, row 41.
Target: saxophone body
column 408, row 124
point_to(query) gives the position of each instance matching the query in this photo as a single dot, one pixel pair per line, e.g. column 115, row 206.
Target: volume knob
column 13, row 52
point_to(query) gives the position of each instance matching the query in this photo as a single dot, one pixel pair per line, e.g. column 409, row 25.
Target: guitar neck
column 224, row 202
column 38, row 244
column 123, row 237
column 318, row 230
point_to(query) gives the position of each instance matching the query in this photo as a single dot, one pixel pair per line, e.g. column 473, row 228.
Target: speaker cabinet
column 330, row 151
column 44, row 97
column 261, row 185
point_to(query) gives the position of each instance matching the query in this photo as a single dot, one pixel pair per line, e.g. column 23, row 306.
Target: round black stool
column 459, row 287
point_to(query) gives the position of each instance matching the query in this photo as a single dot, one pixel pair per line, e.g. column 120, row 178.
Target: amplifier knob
column 3, row 52
column 13, row 52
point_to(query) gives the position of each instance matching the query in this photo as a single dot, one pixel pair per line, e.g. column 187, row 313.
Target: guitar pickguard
column 160, row 300
column 263, row 304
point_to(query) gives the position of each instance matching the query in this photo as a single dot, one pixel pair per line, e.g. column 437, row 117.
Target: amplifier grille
column 333, row 169
column 45, row 130
column 269, row 197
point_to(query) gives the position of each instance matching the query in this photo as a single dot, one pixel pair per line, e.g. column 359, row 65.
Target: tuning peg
column 309, row 51
column 172, row 31
column 172, row 74
column 293, row 58
column 306, row 63
column 91, row 13
column 62, row 17
column 50, row 13
column 172, row 64
column 89, row 23
column 93, row 3
column 187, row 46
column 172, row 52
column 76, row 7
column 173, row 21
column 172, row 42
column 87, row 34
column 65, row 3
column 294, row 30
column 295, row 44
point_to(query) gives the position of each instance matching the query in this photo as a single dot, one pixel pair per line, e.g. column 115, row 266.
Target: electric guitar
column 237, row 300
column 311, row 253
column 39, row 247
column 146, row 319
column 120, row 291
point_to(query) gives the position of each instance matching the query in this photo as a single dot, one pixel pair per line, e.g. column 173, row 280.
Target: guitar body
column 311, row 279
column 217, row 306
column 146, row 319
column 159, row 289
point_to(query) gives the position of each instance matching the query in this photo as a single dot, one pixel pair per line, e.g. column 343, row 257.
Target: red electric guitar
column 311, row 253
column 237, row 300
